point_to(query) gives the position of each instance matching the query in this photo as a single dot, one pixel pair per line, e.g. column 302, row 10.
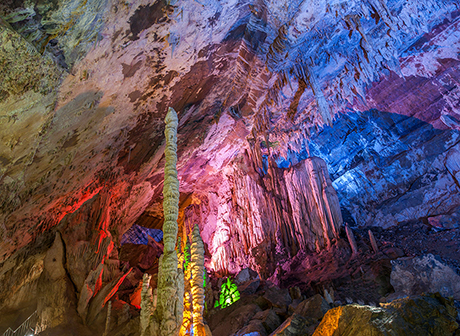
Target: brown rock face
column 305, row 318
column 56, row 296
column 421, row 315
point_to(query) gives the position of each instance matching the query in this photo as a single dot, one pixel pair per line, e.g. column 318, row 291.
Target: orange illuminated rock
column 421, row 315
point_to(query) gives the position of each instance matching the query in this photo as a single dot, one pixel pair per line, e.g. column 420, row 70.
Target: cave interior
column 318, row 164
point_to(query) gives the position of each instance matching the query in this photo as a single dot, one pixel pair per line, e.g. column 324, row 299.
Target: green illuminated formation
column 187, row 255
column 228, row 294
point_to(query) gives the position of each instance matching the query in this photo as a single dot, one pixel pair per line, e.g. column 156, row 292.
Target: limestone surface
column 411, row 276
column 420, row 315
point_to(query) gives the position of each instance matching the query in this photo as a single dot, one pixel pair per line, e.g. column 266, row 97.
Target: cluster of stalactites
column 343, row 47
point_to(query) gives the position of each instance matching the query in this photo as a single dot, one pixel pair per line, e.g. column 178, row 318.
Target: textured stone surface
column 269, row 319
column 106, row 128
column 410, row 276
column 56, row 298
column 389, row 170
column 168, row 315
column 420, row 315
column 304, row 215
column 305, row 317
column 197, row 282
column 234, row 319
column 245, row 275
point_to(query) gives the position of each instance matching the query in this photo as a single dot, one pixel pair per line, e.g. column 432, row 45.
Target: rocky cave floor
column 419, row 238
column 340, row 277
column 365, row 278
column 295, row 300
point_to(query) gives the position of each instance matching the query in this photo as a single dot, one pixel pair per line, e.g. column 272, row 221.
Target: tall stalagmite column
column 146, row 304
column 197, row 267
column 170, row 304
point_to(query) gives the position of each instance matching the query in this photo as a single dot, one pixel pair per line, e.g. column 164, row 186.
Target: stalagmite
column 197, row 268
column 146, row 304
column 167, row 318
column 108, row 319
column 373, row 242
column 351, row 240
column 187, row 321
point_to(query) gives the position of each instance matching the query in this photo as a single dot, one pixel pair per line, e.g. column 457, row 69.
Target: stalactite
column 167, row 318
column 278, row 48
column 197, row 268
column 304, row 73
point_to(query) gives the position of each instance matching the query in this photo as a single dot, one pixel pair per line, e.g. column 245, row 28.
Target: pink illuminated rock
column 293, row 209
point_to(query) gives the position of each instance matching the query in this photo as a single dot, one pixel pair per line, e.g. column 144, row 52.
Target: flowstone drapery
column 167, row 317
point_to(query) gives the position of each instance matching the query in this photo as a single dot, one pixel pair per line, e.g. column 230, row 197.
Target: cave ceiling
column 85, row 86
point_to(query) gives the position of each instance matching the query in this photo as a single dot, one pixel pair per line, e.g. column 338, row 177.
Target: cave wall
column 390, row 169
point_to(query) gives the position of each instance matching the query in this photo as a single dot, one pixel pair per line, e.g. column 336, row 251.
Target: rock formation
column 56, row 301
column 420, row 315
column 197, row 284
column 187, row 322
column 374, row 245
column 351, row 240
column 167, row 317
column 293, row 209
column 147, row 307
column 108, row 321
column 305, row 318
column 424, row 274
column 265, row 86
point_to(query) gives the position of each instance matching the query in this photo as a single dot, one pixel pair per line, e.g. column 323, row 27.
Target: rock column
column 168, row 315
column 197, row 267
